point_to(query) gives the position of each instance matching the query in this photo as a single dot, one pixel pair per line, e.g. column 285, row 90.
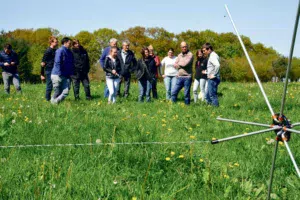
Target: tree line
column 30, row 45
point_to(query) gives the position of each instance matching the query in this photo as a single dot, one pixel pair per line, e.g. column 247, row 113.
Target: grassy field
column 236, row 169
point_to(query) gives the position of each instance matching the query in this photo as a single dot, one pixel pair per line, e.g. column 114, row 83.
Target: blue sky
column 268, row 21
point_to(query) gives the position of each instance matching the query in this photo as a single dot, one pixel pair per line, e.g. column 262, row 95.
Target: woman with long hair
column 200, row 78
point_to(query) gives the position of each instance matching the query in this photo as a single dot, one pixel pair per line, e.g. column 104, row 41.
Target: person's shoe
column 54, row 101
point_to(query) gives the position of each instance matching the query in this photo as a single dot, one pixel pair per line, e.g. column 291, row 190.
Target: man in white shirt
column 213, row 74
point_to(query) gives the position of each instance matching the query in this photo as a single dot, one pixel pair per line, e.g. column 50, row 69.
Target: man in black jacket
column 47, row 66
column 128, row 65
column 9, row 63
column 82, row 68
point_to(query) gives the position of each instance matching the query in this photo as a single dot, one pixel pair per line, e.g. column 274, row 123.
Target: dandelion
column 201, row 160
column 115, row 182
column 181, row 156
column 26, row 119
column 190, row 129
column 144, row 115
column 198, row 124
column 214, row 138
column 98, row 141
column 192, row 137
column 281, row 143
column 147, row 132
column 13, row 121
column 169, row 129
column 172, row 153
column 134, row 198
column 236, row 164
column 267, row 139
column 168, row 158
column 163, row 125
column 14, row 114
column 226, row 176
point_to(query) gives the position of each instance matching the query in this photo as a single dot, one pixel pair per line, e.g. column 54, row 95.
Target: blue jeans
column 181, row 82
column 8, row 78
column 212, row 91
column 145, row 89
column 170, row 82
column 49, row 85
column 106, row 91
column 61, row 87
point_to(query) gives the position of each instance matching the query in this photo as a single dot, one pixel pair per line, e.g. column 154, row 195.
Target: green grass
column 237, row 169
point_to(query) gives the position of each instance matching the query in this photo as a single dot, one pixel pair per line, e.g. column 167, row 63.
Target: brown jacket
column 185, row 62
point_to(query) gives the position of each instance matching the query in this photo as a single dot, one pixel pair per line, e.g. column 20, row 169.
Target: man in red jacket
column 157, row 63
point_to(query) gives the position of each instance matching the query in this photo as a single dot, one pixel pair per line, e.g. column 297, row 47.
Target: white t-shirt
column 168, row 62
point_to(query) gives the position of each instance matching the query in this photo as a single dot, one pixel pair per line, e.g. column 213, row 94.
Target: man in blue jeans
column 9, row 63
column 213, row 74
column 184, row 64
column 62, row 71
column 47, row 66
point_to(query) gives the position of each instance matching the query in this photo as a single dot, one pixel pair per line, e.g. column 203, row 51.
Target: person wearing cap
column 157, row 64
column 9, row 63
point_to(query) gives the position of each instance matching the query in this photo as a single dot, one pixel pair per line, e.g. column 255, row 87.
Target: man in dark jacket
column 128, row 64
column 81, row 70
column 62, row 70
column 47, row 66
column 9, row 63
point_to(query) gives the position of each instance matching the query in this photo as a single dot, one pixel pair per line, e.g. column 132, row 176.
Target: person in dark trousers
column 81, row 70
column 200, row 78
column 157, row 64
column 145, row 73
column 113, row 42
column 9, row 63
column 112, row 67
column 213, row 74
column 128, row 64
column 62, row 71
column 47, row 66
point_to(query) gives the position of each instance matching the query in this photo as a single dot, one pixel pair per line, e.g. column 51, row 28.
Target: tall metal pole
column 290, row 60
column 291, row 155
column 272, row 170
column 251, row 65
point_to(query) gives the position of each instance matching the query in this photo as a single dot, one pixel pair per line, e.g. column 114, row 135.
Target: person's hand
column 12, row 63
column 43, row 78
column 164, row 76
column 6, row 64
column 114, row 72
column 176, row 65
column 204, row 72
column 211, row 76
column 43, row 64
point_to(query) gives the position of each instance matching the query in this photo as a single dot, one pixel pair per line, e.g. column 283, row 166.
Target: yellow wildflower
column 181, row 156
column 201, row 160
column 172, row 153
column 168, row 158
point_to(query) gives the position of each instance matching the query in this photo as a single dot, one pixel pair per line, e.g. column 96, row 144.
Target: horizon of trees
column 30, row 45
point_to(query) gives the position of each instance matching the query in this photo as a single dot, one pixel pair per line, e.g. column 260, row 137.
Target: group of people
column 70, row 63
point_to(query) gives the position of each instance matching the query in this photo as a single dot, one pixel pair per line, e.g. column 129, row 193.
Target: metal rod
column 291, row 155
column 272, row 170
column 290, row 61
column 244, row 135
column 296, row 124
column 292, row 130
column 250, row 63
column 243, row 122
